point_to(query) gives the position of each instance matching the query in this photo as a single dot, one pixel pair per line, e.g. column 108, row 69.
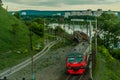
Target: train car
column 80, row 36
column 76, row 62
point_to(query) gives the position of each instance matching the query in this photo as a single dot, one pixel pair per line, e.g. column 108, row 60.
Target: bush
column 116, row 53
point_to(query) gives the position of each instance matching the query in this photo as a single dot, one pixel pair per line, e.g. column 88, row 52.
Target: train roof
column 74, row 54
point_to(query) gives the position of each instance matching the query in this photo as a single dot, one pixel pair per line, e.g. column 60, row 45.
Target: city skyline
column 13, row 5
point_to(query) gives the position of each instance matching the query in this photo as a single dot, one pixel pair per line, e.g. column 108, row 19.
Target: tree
column 17, row 15
column 39, row 21
column 109, row 25
column 116, row 53
column 37, row 28
column 59, row 30
column 1, row 3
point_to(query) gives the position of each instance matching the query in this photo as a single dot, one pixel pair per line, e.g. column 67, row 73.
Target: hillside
column 107, row 68
column 13, row 33
column 14, row 40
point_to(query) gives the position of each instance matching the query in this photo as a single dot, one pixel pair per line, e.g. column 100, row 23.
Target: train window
column 81, row 55
column 71, row 59
column 78, row 59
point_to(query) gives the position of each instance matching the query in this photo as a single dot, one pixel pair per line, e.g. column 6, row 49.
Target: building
column 84, row 12
column 87, row 12
column 73, row 13
column 112, row 12
column 67, row 14
column 78, row 13
column 97, row 13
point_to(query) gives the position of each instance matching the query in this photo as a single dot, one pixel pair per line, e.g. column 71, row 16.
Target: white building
column 59, row 14
column 112, row 12
column 89, row 12
column 23, row 13
column 73, row 13
column 67, row 14
column 78, row 13
column 84, row 12
column 98, row 12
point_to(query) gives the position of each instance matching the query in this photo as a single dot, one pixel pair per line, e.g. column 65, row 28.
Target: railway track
column 74, row 77
column 85, row 76
column 27, row 62
column 82, row 47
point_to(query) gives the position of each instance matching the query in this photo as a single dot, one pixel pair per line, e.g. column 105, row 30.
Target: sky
column 14, row 5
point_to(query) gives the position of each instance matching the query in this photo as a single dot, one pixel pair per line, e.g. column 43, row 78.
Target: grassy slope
column 107, row 68
column 14, row 47
column 10, row 43
column 8, row 40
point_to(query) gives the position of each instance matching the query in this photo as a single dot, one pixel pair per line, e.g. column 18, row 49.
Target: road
column 28, row 61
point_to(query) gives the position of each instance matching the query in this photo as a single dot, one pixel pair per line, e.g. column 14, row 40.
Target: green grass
column 9, row 40
column 107, row 68
column 14, row 42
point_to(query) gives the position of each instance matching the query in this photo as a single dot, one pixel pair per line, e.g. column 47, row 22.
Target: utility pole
column 73, row 26
column 90, row 35
column 44, row 31
column 31, row 49
column 96, row 37
column 90, row 46
column 7, row 8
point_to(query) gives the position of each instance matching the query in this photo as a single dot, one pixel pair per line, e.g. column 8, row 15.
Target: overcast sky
column 62, row 4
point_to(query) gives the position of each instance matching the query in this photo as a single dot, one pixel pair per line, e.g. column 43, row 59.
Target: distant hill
column 31, row 14
column 42, row 13
column 49, row 12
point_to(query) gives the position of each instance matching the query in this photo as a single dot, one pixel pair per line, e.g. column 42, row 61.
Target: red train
column 76, row 61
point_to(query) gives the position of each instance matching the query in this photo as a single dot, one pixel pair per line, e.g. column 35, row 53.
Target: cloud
column 52, row 3
column 61, row 4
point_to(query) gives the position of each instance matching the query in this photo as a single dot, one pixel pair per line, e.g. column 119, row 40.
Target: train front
column 75, row 63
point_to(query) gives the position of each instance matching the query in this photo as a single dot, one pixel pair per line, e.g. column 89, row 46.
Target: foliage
column 58, row 30
column 14, row 40
column 106, row 66
column 1, row 3
column 116, row 53
column 9, row 25
column 17, row 15
column 39, row 21
column 13, row 36
column 108, row 25
column 37, row 26
column 15, row 28
column 105, row 53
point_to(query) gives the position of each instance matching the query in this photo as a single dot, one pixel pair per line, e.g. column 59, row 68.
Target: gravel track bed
column 50, row 66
